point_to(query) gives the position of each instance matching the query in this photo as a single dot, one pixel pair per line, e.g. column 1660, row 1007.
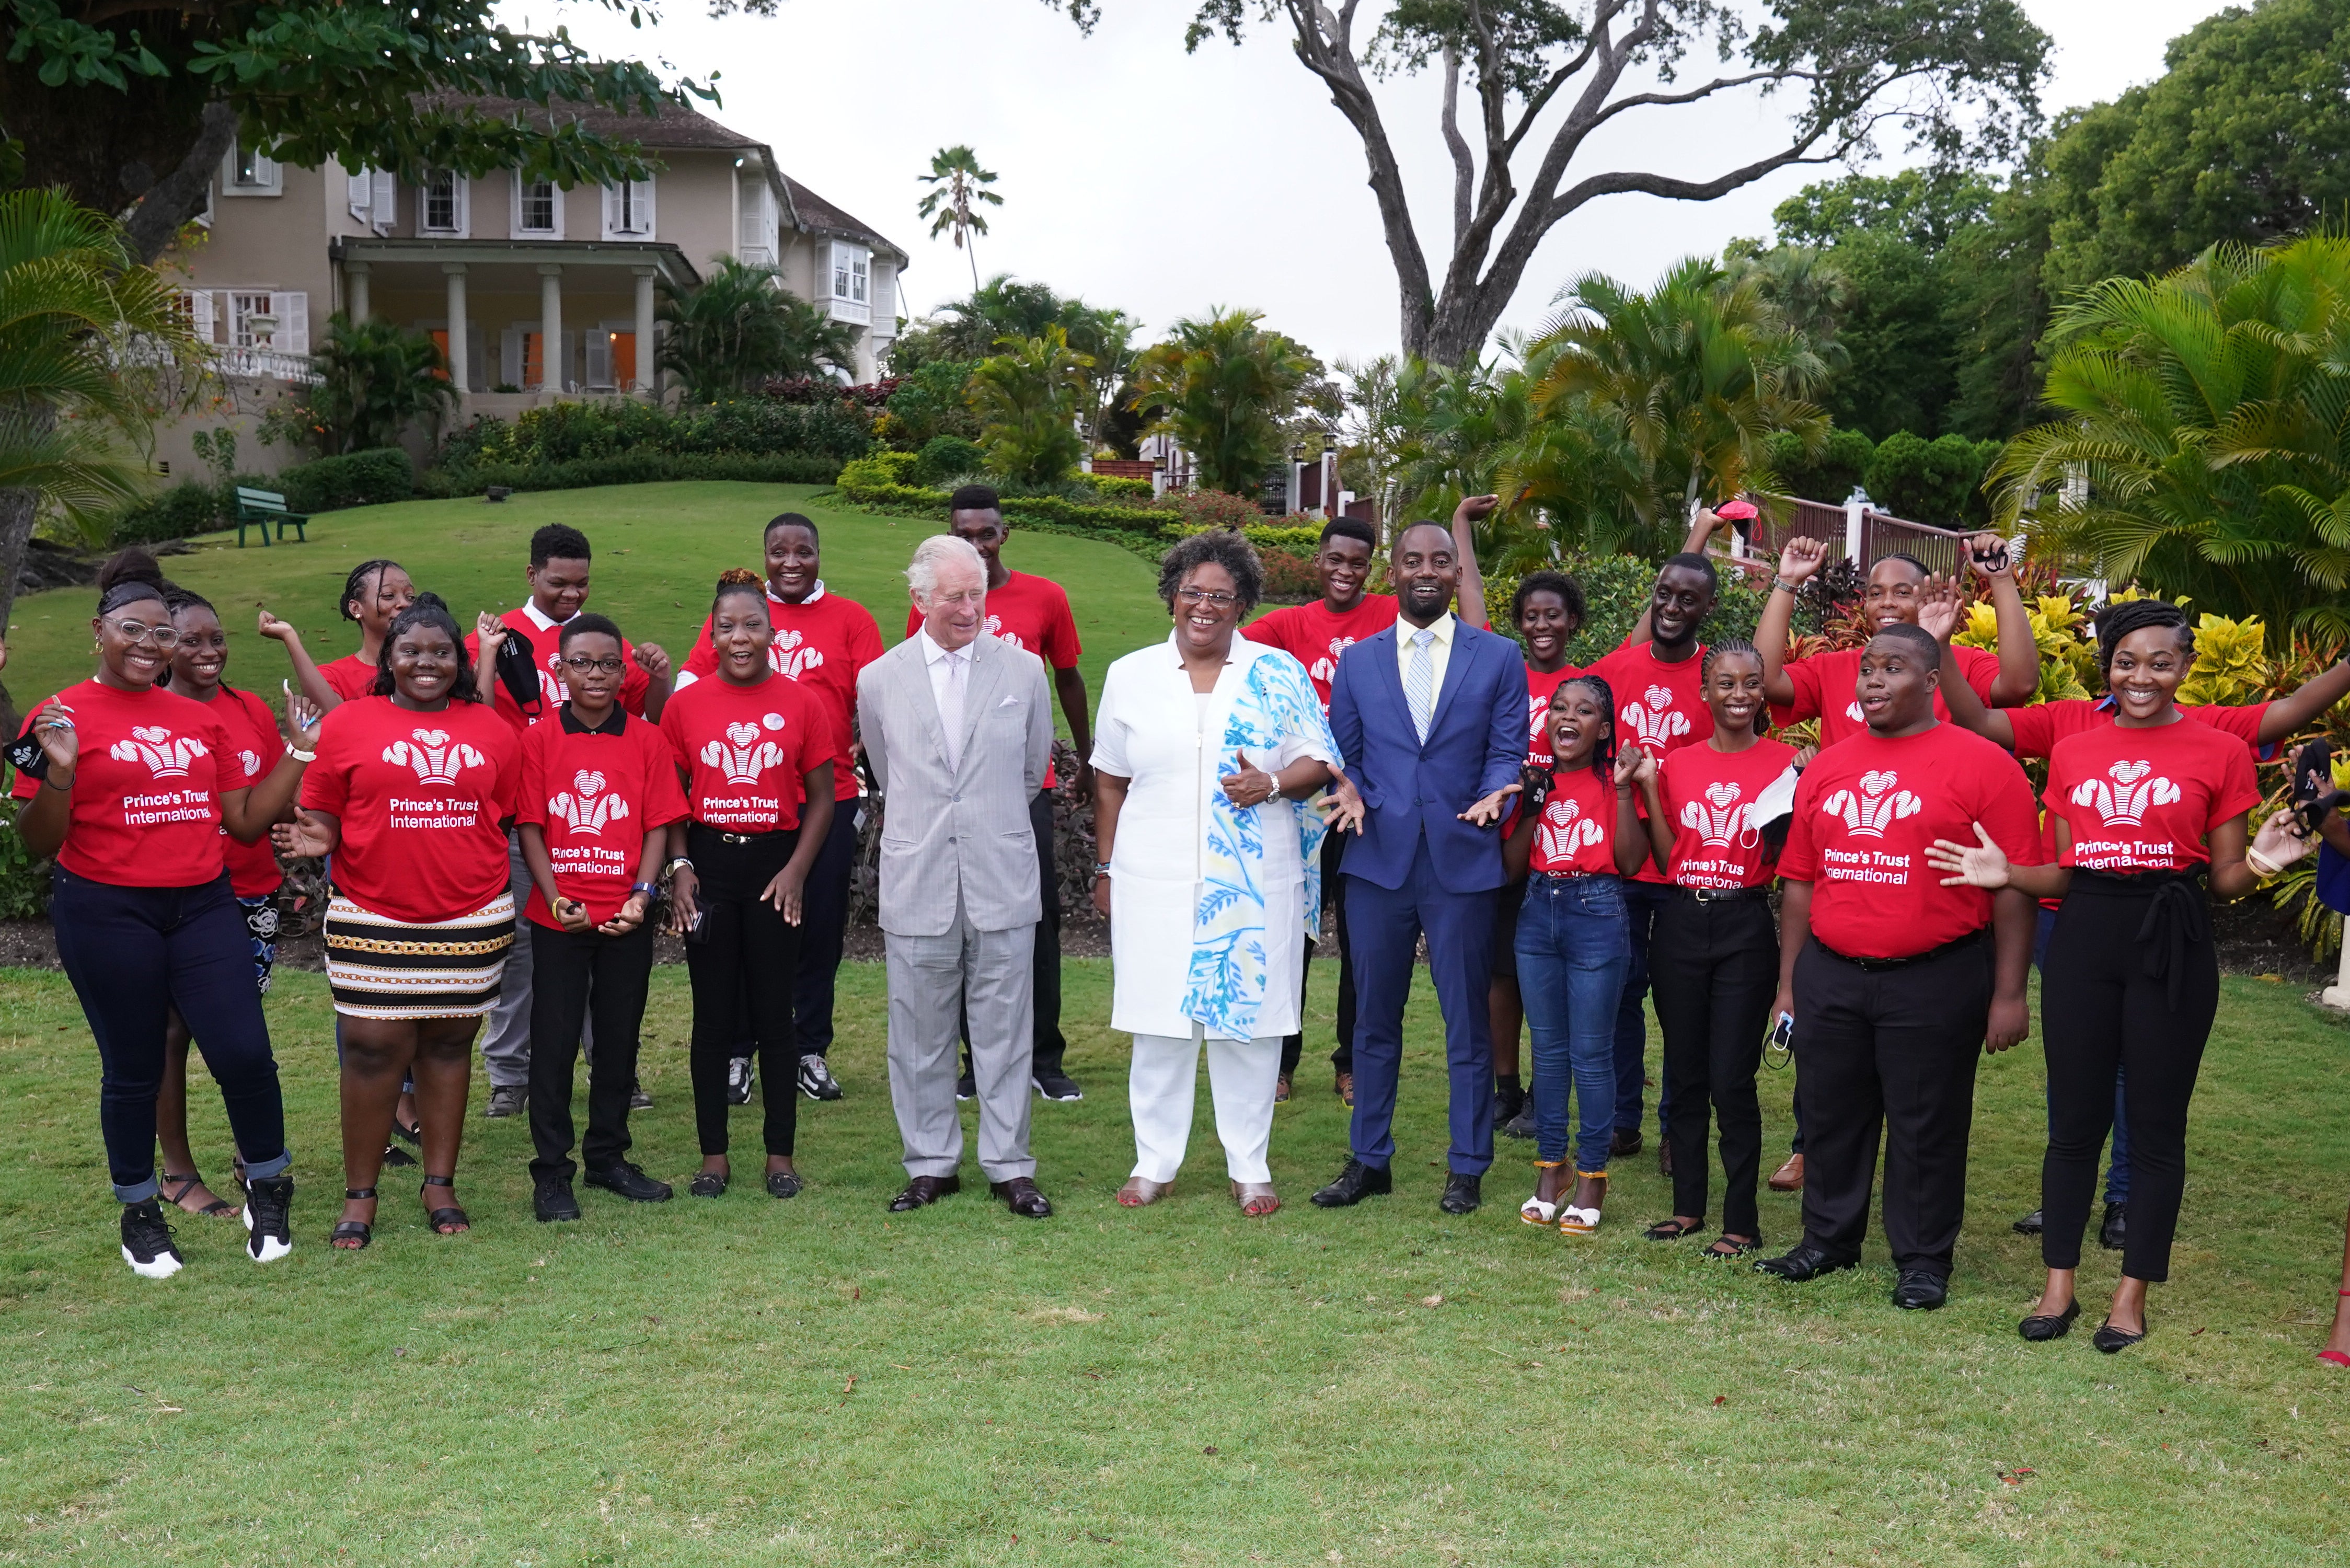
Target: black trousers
column 2132, row 981
column 824, row 927
column 1334, row 909
column 744, row 947
column 1892, row 1052
column 576, row 977
column 1715, row 967
column 1049, row 1046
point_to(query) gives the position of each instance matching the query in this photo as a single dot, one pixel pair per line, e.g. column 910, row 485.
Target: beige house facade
column 536, row 293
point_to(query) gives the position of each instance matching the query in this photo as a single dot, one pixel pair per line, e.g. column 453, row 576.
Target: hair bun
column 430, row 601
column 738, row 577
column 130, row 564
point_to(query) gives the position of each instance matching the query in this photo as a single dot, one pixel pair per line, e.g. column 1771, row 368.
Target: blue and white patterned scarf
column 1226, row 984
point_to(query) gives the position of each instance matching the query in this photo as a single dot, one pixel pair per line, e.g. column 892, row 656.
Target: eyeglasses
column 1207, row 596
column 162, row 637
column 581, row 665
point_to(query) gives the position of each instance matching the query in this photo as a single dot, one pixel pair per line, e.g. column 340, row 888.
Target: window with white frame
column 852, row 270
column 246, row 173
column 538, row 207
column 440, row 204
column 628, row 210
column 273, row 320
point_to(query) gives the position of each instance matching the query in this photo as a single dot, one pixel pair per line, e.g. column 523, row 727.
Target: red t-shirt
column 1827, row 688
column 1539, row 689
column 1865, row 814
column 824, row 642
column 1314, row 634
column 2144, row 800
column 350, row 678
column 253, row 869
column 545, row 639
column 594, row 793
column 146, row 809
column 420, row 798
column 1030, row 612
column 1709, row 798
column 1659, row 708
column 745, row 750
column 1576, row 832
column 2038, row 727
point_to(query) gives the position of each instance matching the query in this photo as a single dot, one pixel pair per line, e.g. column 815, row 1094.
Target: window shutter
column 361, row 187
column 611, row 211
column 598, row 369
column 644, row 209
column 383, row 200
column 200, row 314
column 293, row 322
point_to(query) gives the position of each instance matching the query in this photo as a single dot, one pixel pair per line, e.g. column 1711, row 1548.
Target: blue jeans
column 1573, row 950
column 1642, row 901
column 2117, row 1168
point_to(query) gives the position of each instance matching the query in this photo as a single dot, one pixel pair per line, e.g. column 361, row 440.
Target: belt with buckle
column 1725, row 895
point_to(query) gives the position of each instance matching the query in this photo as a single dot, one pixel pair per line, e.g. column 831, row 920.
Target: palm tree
column 92, row 347
column 1029, row 399
column 958, row 184
column 2205, row 443
column 1224, row 387
column 376, row 378
column 742, row 327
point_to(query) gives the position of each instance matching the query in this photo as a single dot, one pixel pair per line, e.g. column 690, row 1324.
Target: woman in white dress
column 1205, row 749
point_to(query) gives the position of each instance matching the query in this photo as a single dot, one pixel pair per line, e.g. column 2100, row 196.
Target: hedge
column 560, row 433
column 627, row 468
column 357, row 478
column 187, row 507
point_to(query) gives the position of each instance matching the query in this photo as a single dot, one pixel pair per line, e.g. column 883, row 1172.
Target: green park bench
column 260, row 508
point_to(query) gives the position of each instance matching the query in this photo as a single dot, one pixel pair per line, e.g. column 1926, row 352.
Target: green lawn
column 658, row 551
column 754, row 1381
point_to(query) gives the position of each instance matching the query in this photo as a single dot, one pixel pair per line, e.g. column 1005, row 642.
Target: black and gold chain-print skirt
column 384, row 968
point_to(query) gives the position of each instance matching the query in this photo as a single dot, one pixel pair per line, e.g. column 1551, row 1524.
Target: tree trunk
column 17, row 510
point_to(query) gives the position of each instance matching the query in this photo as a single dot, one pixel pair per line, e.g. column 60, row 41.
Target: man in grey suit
column 958, row 728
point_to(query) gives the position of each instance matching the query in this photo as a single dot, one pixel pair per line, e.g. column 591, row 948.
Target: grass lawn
column 658, row 551
column 755, row 1382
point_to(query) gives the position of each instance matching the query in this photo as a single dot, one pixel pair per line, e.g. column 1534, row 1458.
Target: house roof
column 819, row 216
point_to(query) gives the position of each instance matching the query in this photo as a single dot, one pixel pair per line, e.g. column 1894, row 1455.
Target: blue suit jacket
column 1475, row 746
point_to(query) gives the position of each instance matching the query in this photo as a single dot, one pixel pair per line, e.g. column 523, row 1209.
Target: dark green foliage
column 945, row 456
column 1828, row 477
column 23, row 881
column 742, row 328
column 361, row 479
column 630, row 467
column 188, row 507
column 1937, row 482
column 1615, row 589
column 744, row 427
column 377, row 379
column 931, row 403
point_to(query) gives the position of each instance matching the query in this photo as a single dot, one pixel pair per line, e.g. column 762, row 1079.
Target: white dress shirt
column 1440, row 652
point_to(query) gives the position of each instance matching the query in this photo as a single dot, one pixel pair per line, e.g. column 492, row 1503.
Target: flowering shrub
column 1217, row 509
column 810, row 389
column 744, row 427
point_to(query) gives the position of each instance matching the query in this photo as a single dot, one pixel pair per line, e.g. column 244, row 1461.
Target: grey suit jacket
column 964, row 832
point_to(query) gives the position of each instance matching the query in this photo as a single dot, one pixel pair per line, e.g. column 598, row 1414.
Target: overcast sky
column 1163, row 183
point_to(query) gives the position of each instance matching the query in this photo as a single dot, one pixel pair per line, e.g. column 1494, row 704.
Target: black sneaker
column 147, row 1241
column 551, row 1200
column 637, row 1099
column 966, row 1087
column 1523, row 1124
column 1057, row 1085
column 506, row 1100
column 269, row 1217
column 630, row 1183
column 738, row 1081
column 817, row 1081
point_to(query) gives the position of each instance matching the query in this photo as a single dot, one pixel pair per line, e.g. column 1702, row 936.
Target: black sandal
column 408, row 1135
column 360, row 1230
column 1672, row 1230
column 395, row 1157
column 218, row 1206
column 1730, row 1247
column 448, row 1221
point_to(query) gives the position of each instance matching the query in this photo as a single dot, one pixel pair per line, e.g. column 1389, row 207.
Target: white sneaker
column 147, row 1244
column 269, row 1217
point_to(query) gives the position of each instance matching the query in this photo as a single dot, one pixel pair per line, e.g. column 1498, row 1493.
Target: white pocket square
column 1009, row 703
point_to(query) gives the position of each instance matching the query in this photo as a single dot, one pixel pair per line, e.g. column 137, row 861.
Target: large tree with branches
column 1541, row 78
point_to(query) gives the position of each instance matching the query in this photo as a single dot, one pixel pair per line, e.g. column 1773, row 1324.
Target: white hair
column 939, row 550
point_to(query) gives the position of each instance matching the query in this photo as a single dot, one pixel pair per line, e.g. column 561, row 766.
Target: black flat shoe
column 1463, row 1194
column 706, row 1184
column 630, row 1183
column 2041, row 1327
column 784, row 1184
column 1730, row 1247
column 1805, row 1264
column 1355, row 1183
column 2113, row 1341
column 2030, row 1225
column 1920, row 1291
column 2115, row 1232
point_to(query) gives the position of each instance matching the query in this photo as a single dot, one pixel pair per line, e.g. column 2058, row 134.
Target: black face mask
column 25, row 754
column 518, row 674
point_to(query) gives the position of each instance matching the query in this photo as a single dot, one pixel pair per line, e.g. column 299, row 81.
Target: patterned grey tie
column 950, row 709
column 1420, row 683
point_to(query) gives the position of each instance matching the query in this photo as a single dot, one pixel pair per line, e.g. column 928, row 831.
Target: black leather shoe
column 1920, row 1291
column 2115, row 1232
column 2041, row 1327
column 1463, row 1194
column 924, row 1190
column 2113, row 1341
column 1623, row 1141
column 2030, row 1225
column 630, row 1183
column 1355, row 1183
column 551, row 1200
column 1805, row 1262
column 784, row 1184
column 1021, row 1196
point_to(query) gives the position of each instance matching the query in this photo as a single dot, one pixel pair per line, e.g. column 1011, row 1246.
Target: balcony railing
column 266, row 364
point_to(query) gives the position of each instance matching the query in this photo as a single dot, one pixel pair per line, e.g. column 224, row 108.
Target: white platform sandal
column 1577, row 1222
column 1534, row 1210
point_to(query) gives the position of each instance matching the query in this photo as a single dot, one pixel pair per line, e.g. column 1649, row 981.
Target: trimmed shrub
column 746, row 427
column 627, row 468
column 1828, row 477
column 1937, row 482
column 358, row 479
column 942, row 457
column 1289, row 578
column 187, row 507
column 1115, row 487
column 1216, row 509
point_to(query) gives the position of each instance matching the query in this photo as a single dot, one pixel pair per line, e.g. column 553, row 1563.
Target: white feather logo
column 1717, row 820
column 1564, row 829
column 2124, row 801
column 1654, row 720
column 587, row 805
column 790, row 658
column 166, row 756
column 743, row 756
column 435, row 758
column 1875, row 806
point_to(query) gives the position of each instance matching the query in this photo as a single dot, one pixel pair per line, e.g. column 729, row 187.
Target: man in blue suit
column 1431, row 715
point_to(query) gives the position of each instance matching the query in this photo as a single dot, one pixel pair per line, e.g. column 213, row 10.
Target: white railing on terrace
column 266, row 364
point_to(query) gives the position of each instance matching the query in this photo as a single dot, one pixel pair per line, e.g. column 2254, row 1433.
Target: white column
column 354, row 290
column 459, row 372
column 1855, row 509
column 648, row 381
column 551, row 357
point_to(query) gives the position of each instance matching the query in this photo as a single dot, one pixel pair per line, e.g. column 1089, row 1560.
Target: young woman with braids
column 373, row 594
column 2143, row 814
column 412, row 795
column 1577, row 837
column 130, row 786
column 1716, row 958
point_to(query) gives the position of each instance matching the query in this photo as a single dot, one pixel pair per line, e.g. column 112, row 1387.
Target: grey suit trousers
column 931, row 980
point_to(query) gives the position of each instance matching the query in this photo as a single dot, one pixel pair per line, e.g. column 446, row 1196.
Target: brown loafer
column 1256, row 1198
column 924, row 1190
column 1789, row 1177
column 1020, row 1195
column 1345, row 1087
column 1140, row 1192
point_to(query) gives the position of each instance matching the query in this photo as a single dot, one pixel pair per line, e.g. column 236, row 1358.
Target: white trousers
column 1160, row 1088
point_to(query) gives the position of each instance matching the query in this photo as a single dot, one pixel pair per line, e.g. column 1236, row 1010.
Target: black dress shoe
column 1355, row 1183
column 551, row 1200
column 630, row 1183
column 1918, row 1290
column 924, row 1190
column 2041, row 1327
column 706, row 1184
column 2030, row 1225
column 2115, row 1232
column 1463, row 1194
column 1020, row 1195
column 1805, row 1262
column 1623, row 1141
column 2113, row 1341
